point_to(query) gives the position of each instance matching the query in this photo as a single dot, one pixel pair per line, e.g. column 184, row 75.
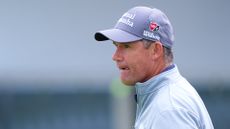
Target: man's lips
column 123, row 67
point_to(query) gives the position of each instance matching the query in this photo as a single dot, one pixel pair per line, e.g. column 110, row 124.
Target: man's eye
column 126, row 46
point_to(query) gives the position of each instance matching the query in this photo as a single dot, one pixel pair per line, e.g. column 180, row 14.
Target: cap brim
column 116, row 35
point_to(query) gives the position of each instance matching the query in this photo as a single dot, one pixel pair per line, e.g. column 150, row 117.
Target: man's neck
column 161, row 66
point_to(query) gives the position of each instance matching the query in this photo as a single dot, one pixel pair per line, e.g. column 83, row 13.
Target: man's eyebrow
column 115, row 43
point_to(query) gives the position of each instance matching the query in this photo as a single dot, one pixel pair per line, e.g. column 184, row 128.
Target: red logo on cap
column 153, row 26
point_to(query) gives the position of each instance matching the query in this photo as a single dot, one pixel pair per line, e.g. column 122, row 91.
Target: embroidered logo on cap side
column 152, row 30
column 153, row 26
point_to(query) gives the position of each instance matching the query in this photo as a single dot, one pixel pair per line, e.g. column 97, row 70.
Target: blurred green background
column 54, row 75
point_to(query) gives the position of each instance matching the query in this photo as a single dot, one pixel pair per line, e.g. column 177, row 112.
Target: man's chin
column 128, row 83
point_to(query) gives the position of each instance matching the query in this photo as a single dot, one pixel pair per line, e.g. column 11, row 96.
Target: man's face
column 134, row 62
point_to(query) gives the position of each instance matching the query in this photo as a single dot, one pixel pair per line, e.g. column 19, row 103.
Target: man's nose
column 117, row 55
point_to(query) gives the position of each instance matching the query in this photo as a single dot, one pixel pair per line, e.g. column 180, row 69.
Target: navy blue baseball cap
column 140, row 23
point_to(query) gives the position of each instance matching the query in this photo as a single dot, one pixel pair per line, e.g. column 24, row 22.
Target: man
column 165, row 100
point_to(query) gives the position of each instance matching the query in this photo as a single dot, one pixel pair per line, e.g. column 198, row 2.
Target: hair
column 168, row 54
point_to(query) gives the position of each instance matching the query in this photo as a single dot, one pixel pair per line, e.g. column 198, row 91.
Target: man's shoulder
column 176, row 94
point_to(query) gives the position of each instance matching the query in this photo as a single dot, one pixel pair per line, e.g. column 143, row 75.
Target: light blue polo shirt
column 168, row 101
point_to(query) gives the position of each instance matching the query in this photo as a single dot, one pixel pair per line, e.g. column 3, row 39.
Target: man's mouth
column 123, row 68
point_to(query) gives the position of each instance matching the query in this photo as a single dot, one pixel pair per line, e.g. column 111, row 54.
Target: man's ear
column 156, row 50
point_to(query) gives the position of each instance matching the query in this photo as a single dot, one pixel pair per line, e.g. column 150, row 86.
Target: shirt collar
column 157, row 81
column 168, row 68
